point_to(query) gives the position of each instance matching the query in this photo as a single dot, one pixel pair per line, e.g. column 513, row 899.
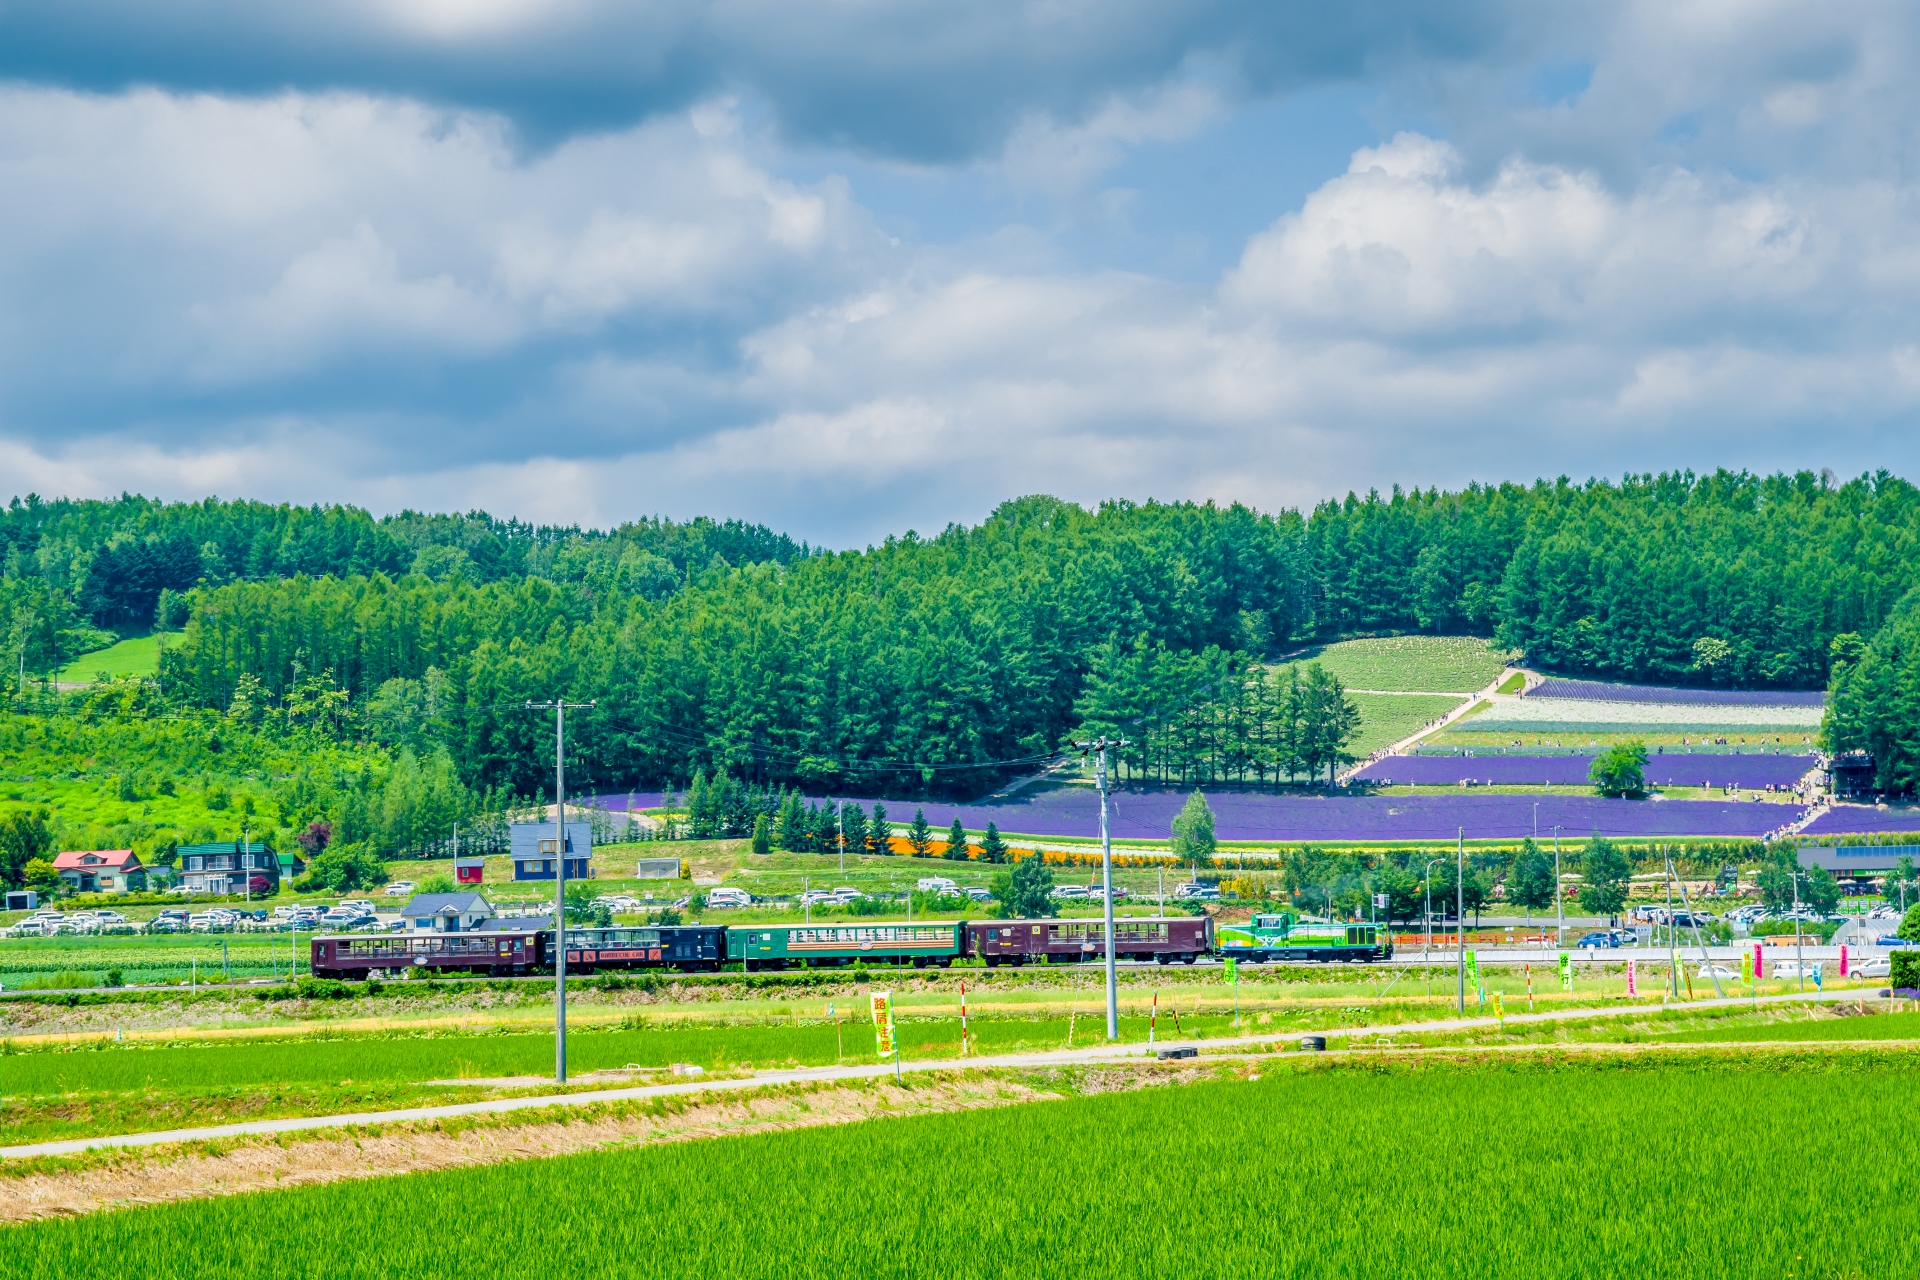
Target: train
column 694, row 948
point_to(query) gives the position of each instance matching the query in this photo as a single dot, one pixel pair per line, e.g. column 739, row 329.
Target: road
column 813, row 1075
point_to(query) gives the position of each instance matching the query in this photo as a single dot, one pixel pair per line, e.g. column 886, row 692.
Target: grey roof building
column 446, row 912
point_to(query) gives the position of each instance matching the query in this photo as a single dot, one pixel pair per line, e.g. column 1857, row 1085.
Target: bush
column 1910, row 924
column 114, row 979
column 1906, row 970
column 342, row 869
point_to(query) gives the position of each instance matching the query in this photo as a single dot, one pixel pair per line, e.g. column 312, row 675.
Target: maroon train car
column 501, row 953
column 1161, row 938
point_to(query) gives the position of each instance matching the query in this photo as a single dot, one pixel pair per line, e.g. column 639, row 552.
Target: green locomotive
column 1282, row 937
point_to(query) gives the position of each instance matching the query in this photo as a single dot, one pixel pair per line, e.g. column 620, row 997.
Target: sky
column 849, row 267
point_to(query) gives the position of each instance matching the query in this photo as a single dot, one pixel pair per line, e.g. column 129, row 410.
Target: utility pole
column 560, row 707
column 1460, row 913
column 1103, row 745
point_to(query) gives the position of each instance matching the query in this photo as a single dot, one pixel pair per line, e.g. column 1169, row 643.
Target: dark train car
column 677, row 946
column 1161, row 938
column 500, row 953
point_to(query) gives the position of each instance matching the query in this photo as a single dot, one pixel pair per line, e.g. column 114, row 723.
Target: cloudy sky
column 853, row 266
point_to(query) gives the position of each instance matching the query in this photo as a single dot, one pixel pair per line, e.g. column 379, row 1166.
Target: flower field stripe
column 1545, row 715
column 1603, row 691
column 1571, row 770
column 1860, row 819
column 1261, row 816
column 1514, row 1171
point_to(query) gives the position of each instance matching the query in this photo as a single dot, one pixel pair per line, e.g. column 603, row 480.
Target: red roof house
column 102, row 870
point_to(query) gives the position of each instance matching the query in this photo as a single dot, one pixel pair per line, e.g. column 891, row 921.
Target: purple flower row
column 1662, row 770
column 1601, row 691
column 1148, row 815
column 1860, row 819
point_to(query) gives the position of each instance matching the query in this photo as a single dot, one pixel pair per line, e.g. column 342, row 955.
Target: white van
column 936, row 884
column 725, row 897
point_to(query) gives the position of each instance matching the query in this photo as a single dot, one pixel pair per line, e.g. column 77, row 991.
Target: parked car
column 722, row 896
column 1793, row 969
column 1878, row 967
column 1598, row 940
column 936, row 884
column 401, row 888
column 1708, row 972
column 979, row 893
column 1070, row 891
column 1194, row 891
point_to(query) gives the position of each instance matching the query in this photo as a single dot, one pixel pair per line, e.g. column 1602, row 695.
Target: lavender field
column 1571, row 770
column 1148, row 815
column 1602, row 691
column 1860, row 819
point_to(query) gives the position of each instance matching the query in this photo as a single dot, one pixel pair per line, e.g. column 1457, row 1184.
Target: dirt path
column 262, row 1163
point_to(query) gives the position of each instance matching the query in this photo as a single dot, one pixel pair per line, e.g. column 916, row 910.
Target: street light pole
column 1460, row 913
column 1559, row 907
column 1426, row 951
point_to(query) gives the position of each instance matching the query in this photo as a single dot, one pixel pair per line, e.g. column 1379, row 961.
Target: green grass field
column 136, row 656
column 1510, row 1170
column 1886, row 1026
column 1412, row 664
column 1387, row 718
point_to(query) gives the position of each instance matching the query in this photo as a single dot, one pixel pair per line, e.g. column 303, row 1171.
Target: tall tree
column 1193, row 841
column 1605, row 874
column 956, row 843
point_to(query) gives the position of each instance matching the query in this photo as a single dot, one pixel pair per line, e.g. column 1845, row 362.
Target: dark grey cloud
column 930, row 82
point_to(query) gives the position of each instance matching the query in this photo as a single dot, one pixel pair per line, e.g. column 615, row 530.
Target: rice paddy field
column 1653, row 1167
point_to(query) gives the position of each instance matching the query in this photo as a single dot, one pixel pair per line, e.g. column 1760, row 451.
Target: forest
column 927, row 664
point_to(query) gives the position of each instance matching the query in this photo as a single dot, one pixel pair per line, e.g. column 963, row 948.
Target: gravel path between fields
column 812, row 1075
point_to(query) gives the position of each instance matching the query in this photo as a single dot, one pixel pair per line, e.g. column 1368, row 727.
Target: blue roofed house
column 535, row 852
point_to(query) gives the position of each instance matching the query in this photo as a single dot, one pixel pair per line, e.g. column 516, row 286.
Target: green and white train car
column 1281, row 937
column 784, row 946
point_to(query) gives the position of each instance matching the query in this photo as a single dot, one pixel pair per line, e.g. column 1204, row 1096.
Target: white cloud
column 245, row 241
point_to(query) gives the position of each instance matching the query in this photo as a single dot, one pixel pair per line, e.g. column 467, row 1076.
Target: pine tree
column 920, row 835
column 699, row 825
column 853, row 827
column 762, row 834
column 992, row 847
column 790, row 825
column 879, row 831
column 956, row 843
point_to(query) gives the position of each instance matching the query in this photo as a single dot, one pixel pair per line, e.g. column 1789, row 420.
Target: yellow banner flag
column 883, row 1042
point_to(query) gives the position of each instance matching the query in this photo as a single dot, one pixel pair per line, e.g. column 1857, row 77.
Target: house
column 469, row 870
column 226, row 867
column 536, row 855
column 102, row 871
column 446, row 913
